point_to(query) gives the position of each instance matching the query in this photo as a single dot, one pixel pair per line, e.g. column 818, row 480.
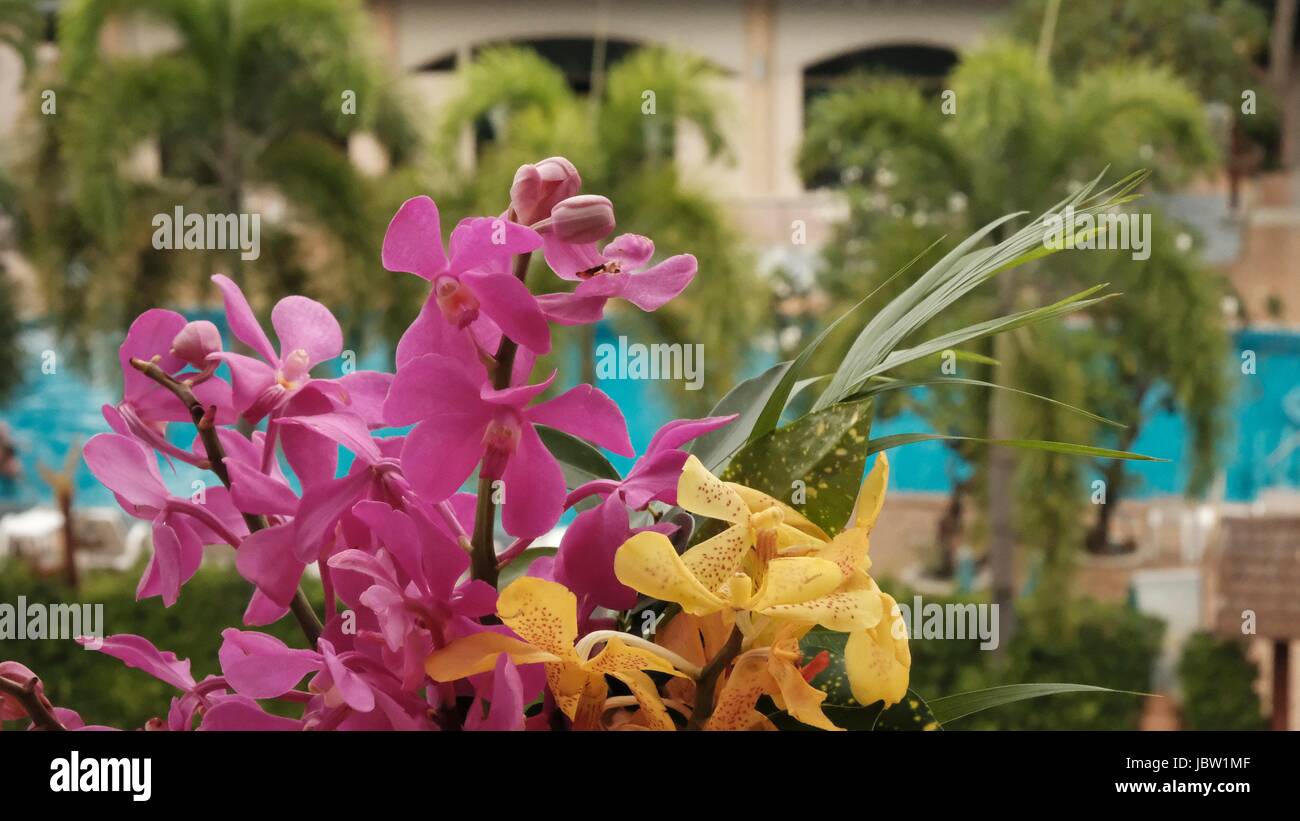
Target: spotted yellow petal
column 588, row 703
column 854, row 606
column 704, row 494
column 714, row 561
column 877, row 661
column 749, row 679
column 619, row 657
column 758, row 501
column 543, row 613
column 477, row 653
column 795, row 695
column 653, row 715
column 648, row 564
column 795, row 580
column 871, row 496
column 848, row 550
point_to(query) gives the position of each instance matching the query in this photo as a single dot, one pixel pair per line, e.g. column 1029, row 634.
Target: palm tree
column 624, row 150
column 251, row 106
column 1017, row 140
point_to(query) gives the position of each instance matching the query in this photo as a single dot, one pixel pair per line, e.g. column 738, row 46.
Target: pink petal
column 255, row 492
column 126, row 468
column 150, row 335
column 177, row 553
column 347, row 429
column 320, row 509
column 506, row 711
column 534, row 487
column 304, row 324
column 517, row 396
column 364, row 394
column 262, row 611
column 432, row 333
column 260, row 666
column 432, row 386
column 633, row 250
column 512, row 307
column 440, row 454
column 313, row 457
column 654, row 477
column 266, row 558
column 568, row 260
column 570, row 309
column 236, row 712
column 678, row 432
column 243, row 323
column 356, row 693
column 585, row 560
column 586, row 412
column 135, row 651
column 252, row 378
column 489, row 243
column 413, row 241
column 650, row 290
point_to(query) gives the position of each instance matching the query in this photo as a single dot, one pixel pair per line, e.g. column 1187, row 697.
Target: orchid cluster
column 625, row 625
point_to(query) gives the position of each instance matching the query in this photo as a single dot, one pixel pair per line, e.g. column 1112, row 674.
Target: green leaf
column 901, row 384
column 899, row 439
column 517, row 568
column 910, row 714
column 580, row 461
column 748, row 399
column 832, row 681
column 824, row 450
column 951, row 708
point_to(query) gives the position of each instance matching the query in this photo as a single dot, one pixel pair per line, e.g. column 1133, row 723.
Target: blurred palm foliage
column 1020, row 139
column 241, row 108
column 622, row 138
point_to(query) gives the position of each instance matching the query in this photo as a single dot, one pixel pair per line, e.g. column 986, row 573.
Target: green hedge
column 101, row 688
column 1107, row 645
column 1218, row 685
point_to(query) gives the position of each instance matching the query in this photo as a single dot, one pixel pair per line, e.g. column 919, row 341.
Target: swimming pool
column 1262, row 446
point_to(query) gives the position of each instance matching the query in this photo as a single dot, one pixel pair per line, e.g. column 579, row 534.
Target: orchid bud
column 581, row 219
column 538, row 187
column 10, row 709
column 195, row 342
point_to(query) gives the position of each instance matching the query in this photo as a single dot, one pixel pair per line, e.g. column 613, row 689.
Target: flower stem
column 204, row 421
column 37, row 707
column 483, row 561
column 707, row 682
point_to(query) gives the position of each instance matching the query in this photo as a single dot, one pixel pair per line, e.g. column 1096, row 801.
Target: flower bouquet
column 721, row 583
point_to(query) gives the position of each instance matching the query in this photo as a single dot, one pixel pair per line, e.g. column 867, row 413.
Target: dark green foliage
column 1218, row 685
column 102, row 689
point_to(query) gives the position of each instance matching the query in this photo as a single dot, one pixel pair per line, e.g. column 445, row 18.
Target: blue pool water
column 1262, row 445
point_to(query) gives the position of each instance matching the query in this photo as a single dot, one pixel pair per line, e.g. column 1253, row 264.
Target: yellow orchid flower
column 714, row 575
column 544, row 616
column 772, row 671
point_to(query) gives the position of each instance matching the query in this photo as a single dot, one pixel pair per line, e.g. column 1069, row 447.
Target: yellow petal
column 871, row 496
column 703, row 493
column 748, row 680
column 589, row 703
column 796, row 696
column 714, row 561
column 619, row 657
column 849, row 551
column 758, row 501
column 543, row 613
column 648, row 564
column 852, row 607
column 795, row 580
column 477, row 653
column 877, row 660
column 653, row 714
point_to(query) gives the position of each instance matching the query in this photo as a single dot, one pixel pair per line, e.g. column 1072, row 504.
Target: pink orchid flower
column 464, row 421
column 475, row 281
column 180, row 527
column 309, row 335
column 146, row 406
column 139, row 653
column 617, row 271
